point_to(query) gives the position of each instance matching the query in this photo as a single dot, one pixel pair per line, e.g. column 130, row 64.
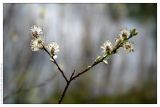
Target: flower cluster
column 121, row 41
column 53, row 47
column 124, row 34
column 107, row 47
column 38, row 43
column 128, row 47
column 36, row 31
column 37, row 40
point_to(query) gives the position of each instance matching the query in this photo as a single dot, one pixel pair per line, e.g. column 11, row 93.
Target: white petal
column 55, row 56
column 33, row 45
column 51, row 60
column 102, row 47
column 106, row 62
column 53, row 45
column 37, row 29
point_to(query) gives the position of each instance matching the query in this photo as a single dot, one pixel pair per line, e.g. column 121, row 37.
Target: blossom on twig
column 124, row 33
column 37, row 41
column 128, row 47
column 53, row 48
column 119, row 38
column 37, row 44
column 36, row 31
column 107, row 47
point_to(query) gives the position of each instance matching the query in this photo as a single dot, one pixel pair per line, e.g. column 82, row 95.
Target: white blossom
column 107, row 47
column 128, row 47
column 53, row 48
column 119, row 38
column 36, row 31
column 36, row 44
column 125, row 34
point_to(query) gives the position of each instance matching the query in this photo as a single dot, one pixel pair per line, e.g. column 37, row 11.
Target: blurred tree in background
column 80, row 30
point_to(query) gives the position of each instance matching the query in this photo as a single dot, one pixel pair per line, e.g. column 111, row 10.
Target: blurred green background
column 80, row 30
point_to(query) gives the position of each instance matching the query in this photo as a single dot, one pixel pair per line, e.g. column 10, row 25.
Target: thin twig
column 60, row 70
column 66, row 87
column 64, row 92
column 54, row 61
column 88, row 68
column 72, row 74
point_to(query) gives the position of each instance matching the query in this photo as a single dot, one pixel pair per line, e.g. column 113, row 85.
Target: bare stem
column 88, row 68
column 61, row 71
column 64, row 92
column 54, row 61
column 66, row 87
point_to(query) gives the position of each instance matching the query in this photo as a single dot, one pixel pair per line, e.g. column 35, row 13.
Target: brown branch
column 88, row 68
column 64, row 92
column 66, row 87
column 72, row 77
column 54, row 61
column 60, row 70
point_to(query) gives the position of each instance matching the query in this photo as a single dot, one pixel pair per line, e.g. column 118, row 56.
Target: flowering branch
column 121, row 41
column 109, row 51
column 37, row 43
